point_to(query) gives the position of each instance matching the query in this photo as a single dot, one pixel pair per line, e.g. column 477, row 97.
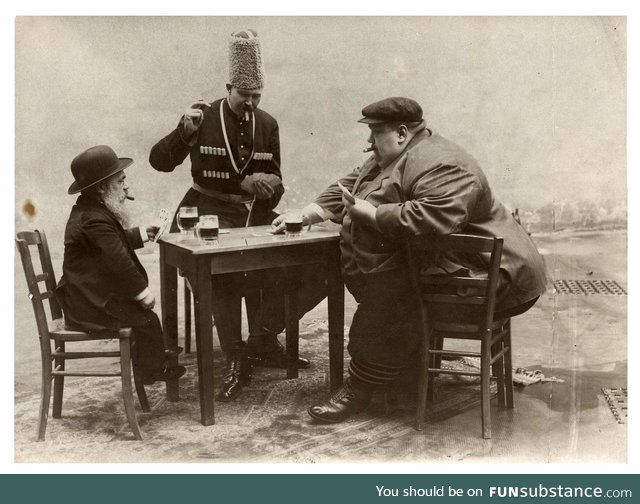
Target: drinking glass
column 293, row 223
column 207, row 229
column 187, row 219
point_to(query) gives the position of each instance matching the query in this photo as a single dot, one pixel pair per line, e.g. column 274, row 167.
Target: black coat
column 434, row 186
column 254, row 147
column 101, row 272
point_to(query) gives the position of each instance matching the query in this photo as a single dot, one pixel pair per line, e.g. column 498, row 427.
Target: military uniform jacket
column 220, row 162
column 433, row 187
column 99, row 265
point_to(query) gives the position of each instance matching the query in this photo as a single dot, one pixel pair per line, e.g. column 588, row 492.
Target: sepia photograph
column 320, row 239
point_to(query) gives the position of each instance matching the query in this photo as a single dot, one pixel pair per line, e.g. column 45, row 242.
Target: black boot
column 276, row 358
column 353, row 397
column 236, row 375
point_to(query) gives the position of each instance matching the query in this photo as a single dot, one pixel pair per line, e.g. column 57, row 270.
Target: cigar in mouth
column 368, row 149
column 130, row 197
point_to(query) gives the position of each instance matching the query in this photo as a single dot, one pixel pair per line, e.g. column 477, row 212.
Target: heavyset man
column 103, row 285
column 234, row 149
column 415, row 183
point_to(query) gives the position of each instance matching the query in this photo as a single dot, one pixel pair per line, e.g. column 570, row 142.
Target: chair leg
column 127, row 391
column 141, row 392
column 45, row 397
column 423, row 371
column 58, row 382
column 423, row 384
column 508, row 366
column 485, row 385
column 498, row 371
column 137, row 380
column 434, row 361
column 437, row 359
column 187, row 318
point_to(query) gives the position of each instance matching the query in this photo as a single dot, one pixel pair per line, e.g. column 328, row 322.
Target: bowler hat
column 95, row 165
column 391, row 110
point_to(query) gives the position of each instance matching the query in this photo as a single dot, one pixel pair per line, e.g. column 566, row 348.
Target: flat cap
column 391, row 110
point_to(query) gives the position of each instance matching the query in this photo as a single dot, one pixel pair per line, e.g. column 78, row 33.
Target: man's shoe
column 236, row 375
column 173, row 352
column 276, row 358
column 167, row 374
column 348, row 400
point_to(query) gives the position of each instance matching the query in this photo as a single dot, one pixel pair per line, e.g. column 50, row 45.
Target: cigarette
column 368, row 149
column 130, row 198
column 246, row 115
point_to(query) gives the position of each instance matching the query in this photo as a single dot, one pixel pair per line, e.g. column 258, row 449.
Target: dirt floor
column 577, row 341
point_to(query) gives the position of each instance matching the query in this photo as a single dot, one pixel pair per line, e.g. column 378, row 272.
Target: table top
column 252, row 238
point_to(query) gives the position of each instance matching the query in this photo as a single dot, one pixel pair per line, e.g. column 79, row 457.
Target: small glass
column 207, row 229
column 187, row 219
column 293, row 224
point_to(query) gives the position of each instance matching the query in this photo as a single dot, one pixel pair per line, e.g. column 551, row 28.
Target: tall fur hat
column 245, row 61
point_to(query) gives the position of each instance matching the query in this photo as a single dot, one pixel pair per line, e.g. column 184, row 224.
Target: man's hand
column 262, row 185
column 148, row 302
column 152, row 231
column 193, row 117
column 277, row 226
column 361, row 211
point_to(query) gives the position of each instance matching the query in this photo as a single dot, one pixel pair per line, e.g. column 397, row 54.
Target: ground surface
column 578, row 339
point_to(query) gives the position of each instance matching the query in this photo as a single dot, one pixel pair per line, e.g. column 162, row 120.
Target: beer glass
column 207, row 229
column 187, row 219
column 293, row 223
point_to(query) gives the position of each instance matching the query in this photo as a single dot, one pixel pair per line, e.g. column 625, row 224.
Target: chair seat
column 61, row 333
column 462, row 327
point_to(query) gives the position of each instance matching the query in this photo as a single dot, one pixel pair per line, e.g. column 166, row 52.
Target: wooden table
column 241, row 250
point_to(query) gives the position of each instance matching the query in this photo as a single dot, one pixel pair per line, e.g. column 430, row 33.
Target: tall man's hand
column 193, row 117
column 361, row 211
column 262, row 185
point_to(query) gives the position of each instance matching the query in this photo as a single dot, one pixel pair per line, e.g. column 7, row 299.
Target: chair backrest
column 483, row 289
column 38, row 239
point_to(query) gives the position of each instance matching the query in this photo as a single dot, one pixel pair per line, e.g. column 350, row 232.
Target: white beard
column 116, row 207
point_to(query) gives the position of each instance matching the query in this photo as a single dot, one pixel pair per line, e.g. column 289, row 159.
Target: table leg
column 203, row 296
column 292, row 330
column 169, row 306
column 336, row 317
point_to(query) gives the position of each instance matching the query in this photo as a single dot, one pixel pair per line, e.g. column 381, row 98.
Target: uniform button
column 243, row 159
column 242, row 146
column 241, row 134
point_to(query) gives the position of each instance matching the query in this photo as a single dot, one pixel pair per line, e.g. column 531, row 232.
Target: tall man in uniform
column 235, row 163
column 415, row 183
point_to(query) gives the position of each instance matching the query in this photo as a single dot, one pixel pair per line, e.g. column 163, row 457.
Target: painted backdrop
column 540, row 102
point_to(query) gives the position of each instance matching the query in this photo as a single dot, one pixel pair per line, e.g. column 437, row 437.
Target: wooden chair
column 494, row 335
column 53, row 331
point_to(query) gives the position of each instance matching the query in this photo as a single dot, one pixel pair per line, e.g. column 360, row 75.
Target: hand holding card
column 349, row 197
column 162, row 222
